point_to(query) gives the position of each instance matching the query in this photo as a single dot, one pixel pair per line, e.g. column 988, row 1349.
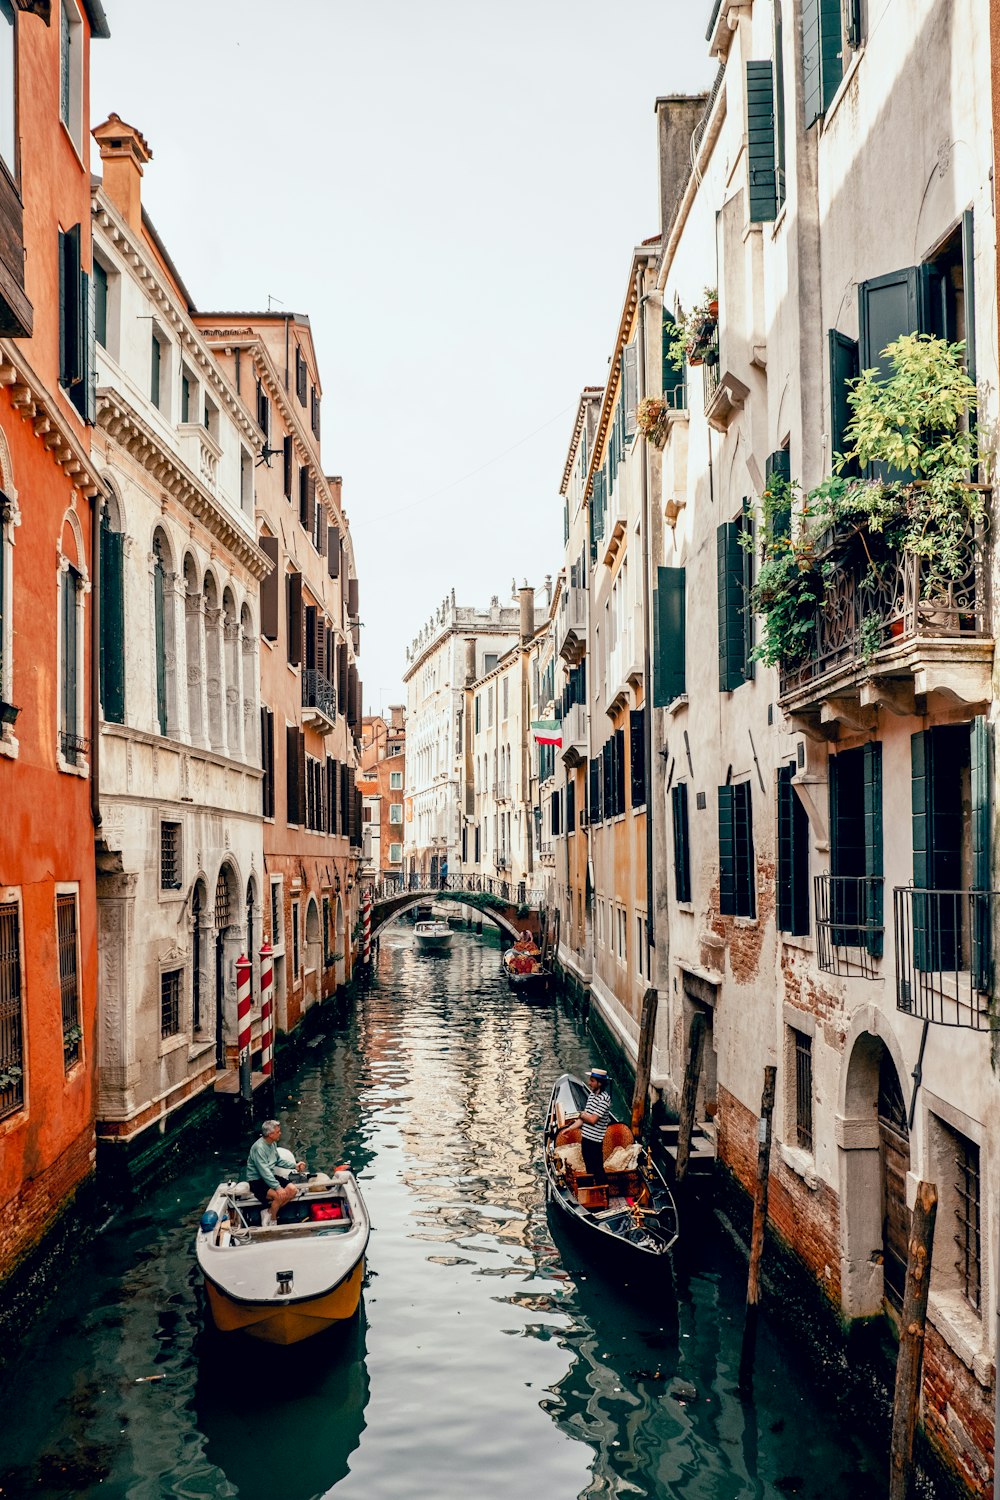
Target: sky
column 451, row 190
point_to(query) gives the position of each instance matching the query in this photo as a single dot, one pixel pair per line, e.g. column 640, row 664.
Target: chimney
column 470, row 660
column 677, row 116
column 526, row 597
column 124, row 152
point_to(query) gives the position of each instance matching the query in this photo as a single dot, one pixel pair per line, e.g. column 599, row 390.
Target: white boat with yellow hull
column 287, row 1281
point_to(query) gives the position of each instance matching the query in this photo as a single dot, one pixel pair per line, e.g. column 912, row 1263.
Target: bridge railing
column 513, row 892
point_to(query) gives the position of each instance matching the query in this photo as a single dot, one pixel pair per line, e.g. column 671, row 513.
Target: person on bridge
column 444, row 873
column 593, row 1120
column 264, row 1158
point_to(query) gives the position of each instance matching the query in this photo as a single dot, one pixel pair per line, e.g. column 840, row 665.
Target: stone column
column 251, row 719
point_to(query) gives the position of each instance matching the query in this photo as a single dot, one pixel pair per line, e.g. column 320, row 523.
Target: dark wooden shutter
column 304, row 497
column 732, row 636
column 310, row 638
column 333, row 551
column 727, row 852
column 301, row 376
column 793, row 857
column 159, row 645
column 294, row 621
column 84, row 394
column 779, row 463
column 344, row 800
column 630, row 388
column 981, row 782
column 554, row 825
column 637, row 754
column 352, row 695
column 673, row 378
column 300, row 767
column 310, row 522
column 746, row 874
column 288, row 467
column 873, row 842
column 844, row 367
column 71, row 318
column 619, row 771
column 669, row 643
column 269, row 587
column 352, row 598
column 761, row 161
column 822, row 60
column 342, row 676
column 112, row 625
column 594, row 791
column 292, row 809
column 607, row 783
column 682, row 842
column 969, row 291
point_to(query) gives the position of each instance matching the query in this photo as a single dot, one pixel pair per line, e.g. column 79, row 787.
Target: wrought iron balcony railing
column 73, row 748
column 318, row 693
column 870, row 609
column 944, row 954
column 849, row 924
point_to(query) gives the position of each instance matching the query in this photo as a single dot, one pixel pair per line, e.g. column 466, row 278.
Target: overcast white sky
column 451, row 190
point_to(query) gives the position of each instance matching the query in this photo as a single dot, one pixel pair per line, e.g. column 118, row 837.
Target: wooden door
column 894, row 1158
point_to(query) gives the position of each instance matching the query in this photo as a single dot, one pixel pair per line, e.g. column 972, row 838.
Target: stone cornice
column 125, row 426
column 137, row 257
column 32, row 401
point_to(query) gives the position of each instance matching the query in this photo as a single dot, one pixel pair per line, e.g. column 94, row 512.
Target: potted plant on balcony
column 693, row 338
column 651, row 419
column 912, row 432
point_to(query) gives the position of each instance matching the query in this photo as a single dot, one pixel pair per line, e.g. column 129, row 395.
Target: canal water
column 490, row 1360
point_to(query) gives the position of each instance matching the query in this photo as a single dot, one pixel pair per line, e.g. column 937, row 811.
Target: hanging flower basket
column 651, row 420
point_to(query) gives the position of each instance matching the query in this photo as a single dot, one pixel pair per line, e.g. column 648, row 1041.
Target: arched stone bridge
column 512, row 905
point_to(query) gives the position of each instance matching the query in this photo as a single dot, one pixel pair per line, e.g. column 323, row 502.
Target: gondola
column 526, row 974
column 631, row 1217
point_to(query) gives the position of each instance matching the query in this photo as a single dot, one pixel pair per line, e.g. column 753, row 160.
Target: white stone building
column 180, row 852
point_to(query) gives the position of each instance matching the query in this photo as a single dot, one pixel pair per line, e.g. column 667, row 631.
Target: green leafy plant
column 913, row 430
column 10, row 1078
column 693, row 334
column 72, row 1037
column 651, row 418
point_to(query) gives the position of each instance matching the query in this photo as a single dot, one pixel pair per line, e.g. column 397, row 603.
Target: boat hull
column 292, row 1321
column 434, row 944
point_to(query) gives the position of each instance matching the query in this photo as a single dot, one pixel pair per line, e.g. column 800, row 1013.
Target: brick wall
column 39, row 1201
column 958, row 1415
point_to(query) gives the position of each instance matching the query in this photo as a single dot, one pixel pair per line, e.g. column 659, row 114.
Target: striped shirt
column 599, row 1104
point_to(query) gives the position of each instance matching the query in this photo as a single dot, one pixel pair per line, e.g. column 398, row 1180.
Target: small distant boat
column 284, row 1282
column 432, row 935
column 631, row 1216
column 524, row 970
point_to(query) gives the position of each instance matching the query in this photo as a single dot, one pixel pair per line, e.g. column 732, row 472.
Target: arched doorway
column 875, row 1159
column 340, row 948
column 314, row 951
column 225, row 928
column 198, row 959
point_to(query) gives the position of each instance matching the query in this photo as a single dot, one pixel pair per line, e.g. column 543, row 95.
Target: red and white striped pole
column 244, row 970
column 266, row 1009
column 366, row 928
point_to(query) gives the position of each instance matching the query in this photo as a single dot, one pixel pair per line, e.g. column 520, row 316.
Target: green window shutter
column 84, row 393
column 112, row 625
column 607, row 781
column 154, row 370
column 100, row 304
column 619, row 764
column 981, row 781
column 72, row 318
column 969, row 291
column 673, row 378
column 822, row 56
column 873, row 842
column 746, row 882
column 159, row 645
column 669, row 660
column 747, row 558
column 921, row 797
column 779, row 103
column 630, row 388
column 732, row 636
column 793, row 857
column 682, row 843
column 637, row 756
column 761, row 158
column 727, row 852
column 780, row 463
column 844, row 367
column 69, row 654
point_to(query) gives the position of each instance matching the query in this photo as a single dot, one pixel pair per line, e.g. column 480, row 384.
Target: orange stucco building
column 381, row 781
column 48, row 490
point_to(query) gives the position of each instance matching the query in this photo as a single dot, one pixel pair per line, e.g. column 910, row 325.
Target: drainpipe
column 96, row 506
column 640, row 279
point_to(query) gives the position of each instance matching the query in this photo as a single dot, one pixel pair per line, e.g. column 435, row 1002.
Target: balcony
column 944, row 955
column 319, row 701
column 571, row 626
column 725, row 394
column 574, row 735
column 887, row 637
column 849, row 926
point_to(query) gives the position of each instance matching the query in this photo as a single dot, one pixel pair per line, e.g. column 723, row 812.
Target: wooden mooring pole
column 644, row 1061
column 757, row 1232
column 906, row 1400
column 689, row 1094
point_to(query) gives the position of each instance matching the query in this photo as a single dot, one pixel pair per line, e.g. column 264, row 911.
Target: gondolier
column 594, row 1117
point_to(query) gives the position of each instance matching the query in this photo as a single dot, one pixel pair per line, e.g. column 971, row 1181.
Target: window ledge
column 69, row 136
column 802, row 941
column 802, row 1163
column 171, row 895
column 844, row 85
column 172, row 1044
column 676, row 704
column 71, row 770
column 962, row 1331
column 10, row 746
column 266, row 641
column 780, row 217
column 199, row 1047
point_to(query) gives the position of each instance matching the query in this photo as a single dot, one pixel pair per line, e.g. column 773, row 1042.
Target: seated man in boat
column 593, row 1119
column 261, row 1163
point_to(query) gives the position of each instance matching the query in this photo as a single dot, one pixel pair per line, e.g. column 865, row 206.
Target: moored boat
column 630, row 1215
column 433, row 935
column 525, row 972
column 284, row 1282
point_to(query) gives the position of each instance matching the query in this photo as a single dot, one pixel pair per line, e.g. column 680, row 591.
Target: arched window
column 112, row 613
column 213, row 663
column 192, row 647
column 230, row 631
column 160, row 628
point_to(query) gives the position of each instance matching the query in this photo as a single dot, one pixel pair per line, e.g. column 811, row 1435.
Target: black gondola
column 632, row 1217
column 533, row 983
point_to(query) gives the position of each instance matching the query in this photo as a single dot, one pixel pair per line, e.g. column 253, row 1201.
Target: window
column 489, row 705
column 506, row 697
column 296, row 953
column 211, row 419
column 101, row 305
column 630, row 387
column 301, row 376
column 637, row 756
column 293, row 605
column 160, row 632
column 314, row 412
column 71, row 71
column 396, row 812
column 295, row 775
column 267, row 762
column 853, row 917
column 682, row 843
column 490, row 662
column 170, row 856
column 170, row 1003
column 70, row 308
column 8, row 89
column 621, row 934
column 793, row 857
column 669, row 663
column 761, row 144
column 735, row 576
column 395, row 778
column 801, row 1050
column 72, row 745
column 68, row 987
column 396, row 854
column 263, row 410
column 951, row 816
column 571, row 805
column 246, row 481
column 737, row 885
column 156, row 370
column 640, row 946
column 277, row 918
column 11, row 1015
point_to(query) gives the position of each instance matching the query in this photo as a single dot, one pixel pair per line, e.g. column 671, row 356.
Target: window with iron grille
column 967, row 1233
column 170, row 856
column 11, row 1018
column 295, row 939
column 170, row 1003
column 327, row 949
column 222, row 916
column 68, row 985
column 803, row 1090
column 277, row 923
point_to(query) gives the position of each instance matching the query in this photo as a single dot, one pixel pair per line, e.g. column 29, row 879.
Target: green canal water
column 490, row 1360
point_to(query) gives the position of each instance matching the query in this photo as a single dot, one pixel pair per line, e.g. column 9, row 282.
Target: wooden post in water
column 689, row 1095
column 644, row 1061
column 906, row 1400
column 757, row 1232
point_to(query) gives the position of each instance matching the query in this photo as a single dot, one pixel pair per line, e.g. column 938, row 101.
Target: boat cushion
column 571, row 1156
column 623, row 1158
